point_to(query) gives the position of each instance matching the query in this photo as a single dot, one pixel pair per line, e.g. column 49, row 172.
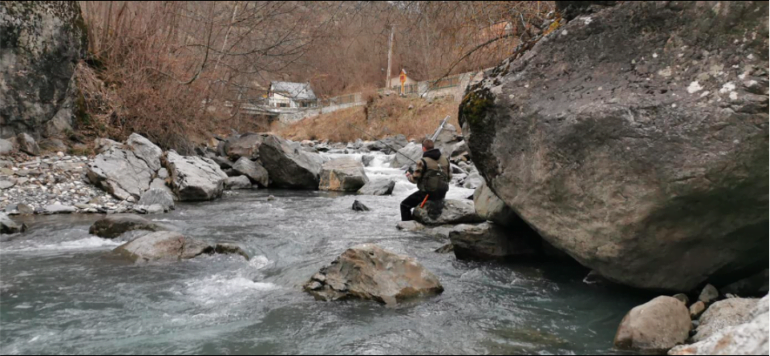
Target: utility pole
column 390, row 56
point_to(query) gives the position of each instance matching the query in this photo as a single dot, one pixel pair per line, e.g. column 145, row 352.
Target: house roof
column 297, row 91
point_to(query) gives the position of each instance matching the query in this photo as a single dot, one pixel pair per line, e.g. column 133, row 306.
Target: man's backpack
column 434, row 180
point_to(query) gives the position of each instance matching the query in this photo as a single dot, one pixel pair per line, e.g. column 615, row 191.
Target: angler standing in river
column 432, row 176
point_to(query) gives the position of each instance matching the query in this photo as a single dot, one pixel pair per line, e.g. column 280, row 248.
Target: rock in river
column 407, row 156
column 113, row 226
column 453, row 212
column 652, row 167
column 145, row 150
column 343, row 174
column 195, row 178
column 729, row 312
column 288, row 165
column 359, row 206
column 656, row 326
column 170, row 246
column 246, row 145
column 370, row 272
column 158, row 196
column 239, row 182
column 120, row 172
column 253, row 170
column 8, row 226
column 378, row 187
column 745, row 335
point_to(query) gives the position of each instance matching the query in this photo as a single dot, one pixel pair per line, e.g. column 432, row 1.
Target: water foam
column 89, row 243
column 220, row 288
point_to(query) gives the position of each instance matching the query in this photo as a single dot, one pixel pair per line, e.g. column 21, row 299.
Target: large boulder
column 145, row 150
column 389, row 144
column 646, row 162
column 195, row 178
column 27, row 144
column 453, row 212
column 236, row 183
column 246, row 145
column 6, row 147
column 656, row 326
column 158, row 196
column 171, row 246
column 8, row 226
column 447, row 140
column 490, row 207
column 113, row 226
column 441, row 231
column 380, row 186
column 343, row 174
column 253, row 170
column 750, row 337
column 289, row 166
column 474, row 180
column 488, row 241
column 59, row 209
column 41, row 45
column 372, row 273
column 104, row 144
column 407, row 156
column 120, row 172
column 729, row 312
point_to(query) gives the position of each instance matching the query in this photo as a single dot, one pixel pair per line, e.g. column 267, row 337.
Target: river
column 62, row 291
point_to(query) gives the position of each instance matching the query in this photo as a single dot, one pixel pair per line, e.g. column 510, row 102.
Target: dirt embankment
column 385, row 116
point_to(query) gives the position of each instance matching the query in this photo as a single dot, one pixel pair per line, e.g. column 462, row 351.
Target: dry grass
column 386, row 116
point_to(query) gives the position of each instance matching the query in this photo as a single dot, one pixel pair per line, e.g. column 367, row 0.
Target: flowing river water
column 62, row 291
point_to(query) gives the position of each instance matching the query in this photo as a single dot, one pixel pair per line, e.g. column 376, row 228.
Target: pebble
column 32, row 184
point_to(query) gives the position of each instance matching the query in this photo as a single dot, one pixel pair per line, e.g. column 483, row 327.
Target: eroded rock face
column 488, row 241
column 195, row 178
column 288, row 165
column 646, row 162
column 372, row 273
column 343, row 175
column 656, row 326
column 490, row 207
column 42, row 42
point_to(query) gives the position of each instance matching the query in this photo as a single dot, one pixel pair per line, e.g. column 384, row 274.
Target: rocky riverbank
column 52, row 184
column 714, row 323
column 35, row 181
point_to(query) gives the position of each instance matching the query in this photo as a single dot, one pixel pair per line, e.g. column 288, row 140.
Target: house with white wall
column 291, row 95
